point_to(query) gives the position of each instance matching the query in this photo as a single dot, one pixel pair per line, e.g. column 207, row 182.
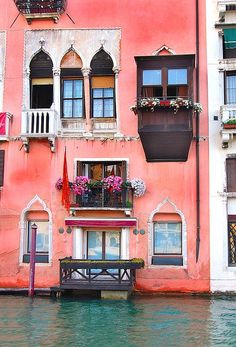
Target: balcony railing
column 99, row 197
column 39, row 123
column 228, row 118
column 98, row 274
column 228, row 112
column 33, row 9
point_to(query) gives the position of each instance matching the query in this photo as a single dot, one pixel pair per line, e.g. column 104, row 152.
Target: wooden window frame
column 82, row 98
column 80, row 169
column 231, row 174
column 226, row 74
column 92, row 98
column 164, row 63
column 104, row 242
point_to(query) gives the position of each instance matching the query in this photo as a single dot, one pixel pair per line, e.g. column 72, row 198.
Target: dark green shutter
column 230, row 38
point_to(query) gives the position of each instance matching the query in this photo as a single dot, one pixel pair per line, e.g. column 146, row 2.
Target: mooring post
column 32, row 259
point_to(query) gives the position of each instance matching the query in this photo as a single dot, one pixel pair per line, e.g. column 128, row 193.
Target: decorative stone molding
column 163, row 48
column 57, row 72
column 171, row 205
column 86, row 42
column 86, row 72
column 227, row 64
column 23, row 223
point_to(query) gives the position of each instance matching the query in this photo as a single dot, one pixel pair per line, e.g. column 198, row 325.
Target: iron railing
column 41, row 6
column 99, row 197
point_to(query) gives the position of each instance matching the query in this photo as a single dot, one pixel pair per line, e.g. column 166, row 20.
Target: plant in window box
column 81, row 185
column 138, row 186
column 113, row 183
column 152, row 104
column 59, row 184
column 230, row 124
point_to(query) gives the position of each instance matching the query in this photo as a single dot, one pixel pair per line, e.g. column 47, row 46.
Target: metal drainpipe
column 197, row 139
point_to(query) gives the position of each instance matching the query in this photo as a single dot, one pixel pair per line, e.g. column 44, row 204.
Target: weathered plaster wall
column 144, row 28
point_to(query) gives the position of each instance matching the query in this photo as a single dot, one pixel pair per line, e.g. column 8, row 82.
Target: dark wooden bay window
column 163, row 82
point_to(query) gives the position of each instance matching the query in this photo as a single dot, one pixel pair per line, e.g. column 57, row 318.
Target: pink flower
column 80, row 185
column 113, row 183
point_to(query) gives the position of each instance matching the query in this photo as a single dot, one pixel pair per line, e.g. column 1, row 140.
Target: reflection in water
column 142, row 321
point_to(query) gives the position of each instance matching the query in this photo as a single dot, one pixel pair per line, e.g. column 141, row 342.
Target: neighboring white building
column 221, row 53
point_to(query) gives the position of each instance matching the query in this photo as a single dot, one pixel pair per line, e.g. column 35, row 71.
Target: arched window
column 41, row 79
column 168, row 239
column 72, row 87
column 102, row 86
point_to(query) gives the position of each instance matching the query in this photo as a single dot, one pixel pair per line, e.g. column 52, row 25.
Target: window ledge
column 227, row 194
column 227, row 64
column 158, row 267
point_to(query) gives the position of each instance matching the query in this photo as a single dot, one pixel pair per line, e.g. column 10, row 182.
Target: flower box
column 68, row 263
column 229, row 126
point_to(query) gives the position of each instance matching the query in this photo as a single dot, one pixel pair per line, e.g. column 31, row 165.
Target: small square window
column 177, row 76
column 167, row 238
column 151, row 77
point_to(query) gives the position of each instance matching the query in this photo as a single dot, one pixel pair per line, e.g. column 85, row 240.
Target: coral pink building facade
column 71, row 84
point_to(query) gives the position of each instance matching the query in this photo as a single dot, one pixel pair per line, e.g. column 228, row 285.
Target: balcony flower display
column 81, row 185
column 152, row 104
column 139, row 187
column 113, row 183
column 59, row 184
column 230, row 124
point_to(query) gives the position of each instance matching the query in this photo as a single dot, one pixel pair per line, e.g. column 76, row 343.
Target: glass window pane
column 78, row 89
column 98, row 93
column 108, row 93
column 67, row 108
column 108, row 108
column 94, row 245
column 77, row 108
column 151, row 77
column 177, row 76
column 68, row 88
column 112, row 245
column 231, row 89
column 98, row 108
column 41, row 236
column 167, row 238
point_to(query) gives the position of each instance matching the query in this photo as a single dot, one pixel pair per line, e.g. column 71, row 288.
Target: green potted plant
column 230, row 124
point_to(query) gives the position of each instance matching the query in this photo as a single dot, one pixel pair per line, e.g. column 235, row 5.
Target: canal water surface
column 141, row 322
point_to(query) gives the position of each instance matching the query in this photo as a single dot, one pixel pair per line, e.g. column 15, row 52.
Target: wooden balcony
column 166, row 136
column 100, row 198
column 39, row 124
column 41, row 9
column 82, row 274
